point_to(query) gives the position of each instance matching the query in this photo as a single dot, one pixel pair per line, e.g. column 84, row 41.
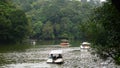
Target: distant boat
column 55, row 56
column 85, row 45
column 64, row 43
column 34, row 43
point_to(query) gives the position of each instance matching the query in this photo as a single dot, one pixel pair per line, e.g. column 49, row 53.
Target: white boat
column 55, row 56
column 34, row 43
column 85, row 45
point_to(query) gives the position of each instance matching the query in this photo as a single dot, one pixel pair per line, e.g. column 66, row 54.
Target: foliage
column 14, row 26
column 107, row 34
column 58, row 18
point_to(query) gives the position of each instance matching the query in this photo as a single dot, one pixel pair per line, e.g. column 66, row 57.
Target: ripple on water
column 27, row 65
column 36, row 58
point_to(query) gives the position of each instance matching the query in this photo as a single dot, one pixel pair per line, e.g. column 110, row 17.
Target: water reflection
column 35, row 56
column 28, row 65
column 73, row 43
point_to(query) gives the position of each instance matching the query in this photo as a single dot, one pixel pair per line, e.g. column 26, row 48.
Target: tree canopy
column 57, row 18
column 104, row 30
column 14, row 26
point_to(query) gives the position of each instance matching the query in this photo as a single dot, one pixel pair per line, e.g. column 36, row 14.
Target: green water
column 73, row 43
column 13, row 48
column 39, row 44
column 7, row 52
column 35, row 56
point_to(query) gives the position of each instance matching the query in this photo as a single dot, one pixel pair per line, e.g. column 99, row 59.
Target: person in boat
column 59, row 56
column 51, row 55
column 54, row 57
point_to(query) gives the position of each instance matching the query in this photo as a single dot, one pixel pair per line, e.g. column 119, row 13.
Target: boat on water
column 55, row 56
column 64, row 43
column 85, row 45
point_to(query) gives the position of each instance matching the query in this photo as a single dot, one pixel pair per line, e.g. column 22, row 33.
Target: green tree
column 65, row 16
column 14, row 26
column 107, row 38
column 47, row 31
column 37, row 29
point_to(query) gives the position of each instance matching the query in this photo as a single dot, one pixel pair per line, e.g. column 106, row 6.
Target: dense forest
column 14, row 26
column 56, row 19
column 106, row 36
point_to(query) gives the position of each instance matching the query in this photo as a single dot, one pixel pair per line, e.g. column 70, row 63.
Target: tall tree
column 14, row 26
column 65, row 16
column 108, row 41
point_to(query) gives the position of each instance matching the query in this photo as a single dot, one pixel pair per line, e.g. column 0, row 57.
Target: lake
column 35, row 56
column 7, row 52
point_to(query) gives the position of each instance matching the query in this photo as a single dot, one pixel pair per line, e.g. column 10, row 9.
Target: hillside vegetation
column 56, row 19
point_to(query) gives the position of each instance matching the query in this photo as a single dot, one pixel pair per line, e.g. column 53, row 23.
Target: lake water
column 35, row 56
column 73, row 43
column 12, row 54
